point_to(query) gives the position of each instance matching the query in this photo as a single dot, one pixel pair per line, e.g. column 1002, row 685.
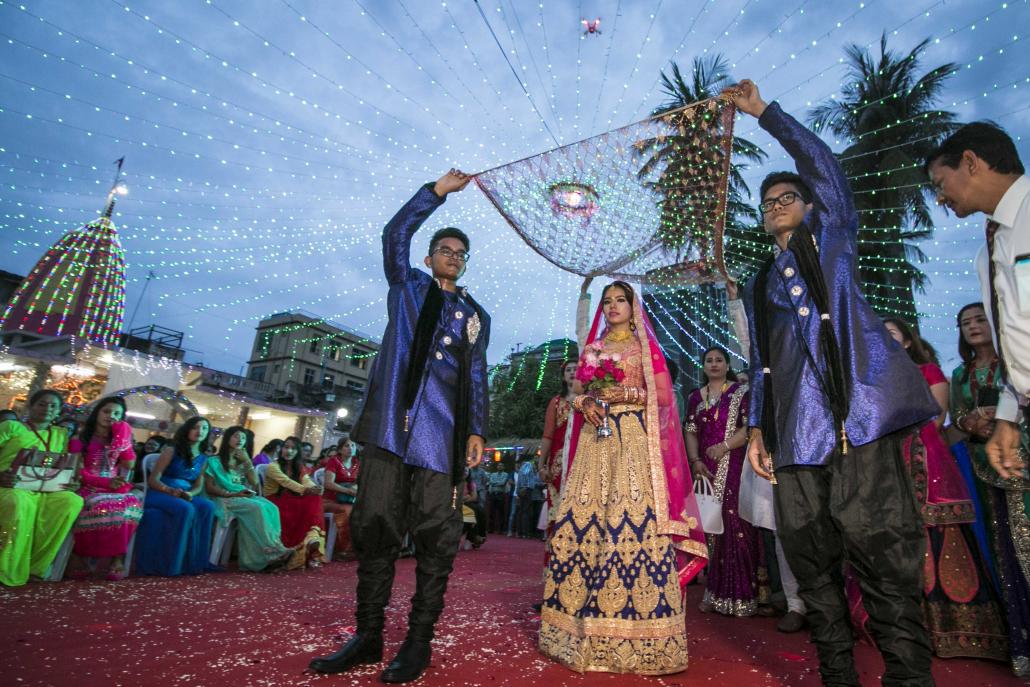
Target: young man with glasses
column 833, row 401
column 422, row 423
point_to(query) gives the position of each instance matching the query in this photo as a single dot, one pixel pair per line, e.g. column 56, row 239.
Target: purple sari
column 733, row 555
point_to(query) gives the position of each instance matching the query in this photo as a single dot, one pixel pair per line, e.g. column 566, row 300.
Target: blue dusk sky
column 267, row 143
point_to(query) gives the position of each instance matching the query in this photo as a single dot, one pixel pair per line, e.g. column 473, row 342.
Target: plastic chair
column 261, row 470
column 330, row 521
column 147, row 464
column 55, row 573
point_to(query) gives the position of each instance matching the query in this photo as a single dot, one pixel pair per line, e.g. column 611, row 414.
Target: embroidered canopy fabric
column 646, row 202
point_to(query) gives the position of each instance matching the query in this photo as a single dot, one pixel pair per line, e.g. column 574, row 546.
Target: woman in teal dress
column 231, row 482
column 1005, row 504
column 174, row 536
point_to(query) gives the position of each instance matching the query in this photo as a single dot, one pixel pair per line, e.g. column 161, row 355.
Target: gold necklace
column 619, row 336
column 709, row 402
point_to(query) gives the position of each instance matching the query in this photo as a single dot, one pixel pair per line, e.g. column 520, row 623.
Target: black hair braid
column 768, row 421
column 836, row 383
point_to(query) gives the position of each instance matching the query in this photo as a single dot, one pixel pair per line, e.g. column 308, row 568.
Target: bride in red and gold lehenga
column 627, row 533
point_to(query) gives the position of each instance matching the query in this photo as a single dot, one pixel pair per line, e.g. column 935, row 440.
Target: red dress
column 341, row 510
column 962, row 614
column 302, row 517
column 556, row 422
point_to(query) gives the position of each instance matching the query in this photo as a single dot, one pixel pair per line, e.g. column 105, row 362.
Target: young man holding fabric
column 423, row 422
column 833, row 400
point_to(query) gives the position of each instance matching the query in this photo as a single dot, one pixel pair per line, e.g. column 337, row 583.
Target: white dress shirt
column 1012, row 281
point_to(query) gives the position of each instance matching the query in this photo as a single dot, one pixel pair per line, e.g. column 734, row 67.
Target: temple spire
column 117, row 188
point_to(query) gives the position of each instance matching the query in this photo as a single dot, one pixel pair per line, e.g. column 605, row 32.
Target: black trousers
column 394, row 499
column 497, row 519
column 859, row 508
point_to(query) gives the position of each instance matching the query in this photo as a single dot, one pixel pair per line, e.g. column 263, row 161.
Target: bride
column 627, row 534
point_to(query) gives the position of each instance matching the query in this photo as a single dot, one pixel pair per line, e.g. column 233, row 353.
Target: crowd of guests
column 969, row 486
column 164, row 506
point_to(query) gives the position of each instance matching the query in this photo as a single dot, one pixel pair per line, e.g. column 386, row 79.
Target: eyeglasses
column 462, row 255
column 783, row 200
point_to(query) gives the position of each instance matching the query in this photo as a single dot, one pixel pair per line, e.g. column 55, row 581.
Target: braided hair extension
column 835, row 384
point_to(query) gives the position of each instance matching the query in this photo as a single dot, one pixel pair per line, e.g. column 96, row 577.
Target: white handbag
column 709, row 505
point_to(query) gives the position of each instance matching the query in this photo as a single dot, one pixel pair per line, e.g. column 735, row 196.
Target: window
column 358, row 386
column 314, row 346
column 309, row 376
column 336, row 351
column 275, row 370
column 328, row 381
column 257, row 373
column 360, row 358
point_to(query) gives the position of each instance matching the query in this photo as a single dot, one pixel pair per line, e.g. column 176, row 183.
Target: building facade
column 309, row 361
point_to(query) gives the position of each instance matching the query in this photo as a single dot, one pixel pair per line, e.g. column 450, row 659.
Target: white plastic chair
column 55, row 573
column 261, row 470
column 330, row 521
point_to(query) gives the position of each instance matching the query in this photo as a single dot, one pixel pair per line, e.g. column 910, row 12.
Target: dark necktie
column 992, row 228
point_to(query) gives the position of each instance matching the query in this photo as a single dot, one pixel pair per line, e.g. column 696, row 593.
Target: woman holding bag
column 33, row 525
column 716, row 434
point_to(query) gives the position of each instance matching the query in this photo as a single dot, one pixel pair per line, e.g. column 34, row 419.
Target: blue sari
column 174, row 536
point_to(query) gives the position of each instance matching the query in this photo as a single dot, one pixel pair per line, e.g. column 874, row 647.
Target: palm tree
column 748, row 247
column 709, row 75
column 889, row 117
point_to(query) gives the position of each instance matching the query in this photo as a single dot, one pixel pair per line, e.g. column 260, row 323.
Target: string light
column 305, row 229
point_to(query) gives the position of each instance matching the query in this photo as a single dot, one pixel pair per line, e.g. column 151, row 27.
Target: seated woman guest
column 111, row 513
column 268, row 453
column 289, row 486
column 33, row 525
column 340, row 484
column 230, row 480
column 174, row 536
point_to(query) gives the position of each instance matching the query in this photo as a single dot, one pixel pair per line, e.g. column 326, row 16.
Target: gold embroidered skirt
column 612, row 600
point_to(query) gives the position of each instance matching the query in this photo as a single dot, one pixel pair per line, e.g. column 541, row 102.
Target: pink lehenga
column 109, row 516
column 627, row 533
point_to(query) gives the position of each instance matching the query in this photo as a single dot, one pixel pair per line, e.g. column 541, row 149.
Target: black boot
column 411, row 661
column 360, row 650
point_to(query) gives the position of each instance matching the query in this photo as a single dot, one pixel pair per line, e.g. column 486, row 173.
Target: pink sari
column 675, row 507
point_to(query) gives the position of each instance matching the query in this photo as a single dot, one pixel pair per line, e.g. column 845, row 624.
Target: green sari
column 33, row 525
column 1006, row 515
column 259, row 530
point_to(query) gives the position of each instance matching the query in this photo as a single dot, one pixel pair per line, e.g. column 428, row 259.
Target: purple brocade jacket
column 428, row 439
column 888, row 392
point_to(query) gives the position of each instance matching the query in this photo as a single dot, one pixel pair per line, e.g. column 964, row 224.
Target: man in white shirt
column 977, row 169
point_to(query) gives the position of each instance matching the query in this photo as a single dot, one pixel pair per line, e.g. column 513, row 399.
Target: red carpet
column 256, row 630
